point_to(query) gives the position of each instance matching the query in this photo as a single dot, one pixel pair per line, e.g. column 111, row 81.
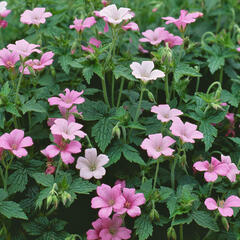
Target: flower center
column 93, row 167
column 111, row 202
column 210, row 168
column 10, row 64
column 112, row 230
column 221, row 203
column 127, row 204
column 14, row 146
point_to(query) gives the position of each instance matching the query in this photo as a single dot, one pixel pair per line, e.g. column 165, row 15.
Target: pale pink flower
column 68, row 114
column 186, row 131
column 141, row 49
column 212, row 170
column 115, row 16
column 5, row 13
column 157, row 145
column 145, row 72
column 184, row 19
column 131, row 25
column 3, row 6
column 80, row 24
column 16, row 142
column 106, row 27
column 94, row 42
column 65, row 149
column 233, row 170
column 132, row 203
column 36, row 16
column 67, row 101
column 45, row 60
column 92, row 164
column 238, row 49
column 164, row 113
column 121, row 182
column 27, row 65
column 109, row 199
column 224, row 207
column 93, row 234
column 173, row 40
column 112, row 230
column 24, row 48
column 230, row 118
column 154, row 37
column 68, row 130
column 8, row 59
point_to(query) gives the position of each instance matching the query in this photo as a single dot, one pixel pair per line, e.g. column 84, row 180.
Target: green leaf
column 172, row 205
column 204, row 219
column 11, row 108
column 132, row 155
column 3, row 194
column 12, row 209
column 215, row 63
column 209, row 134
column 5, row 89
column 2, row 118
column 88, row 73
column 143, row 226
column 64, row 61
column 183, row 69
column 146, row 188
column 102, row 132
column 236, row 140
column 47, row 180
column 32, row 106
column 82, row 187
column 179, row 221
column 18, row 181
column 121, row 71
column 165, row 193
column 114, row 152
column 226, row 96
column 42, row 195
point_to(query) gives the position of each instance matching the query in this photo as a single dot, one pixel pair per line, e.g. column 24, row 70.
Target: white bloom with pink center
column 36, row 16
column 224, row 207
column 92, row 164
column 3, row 6
column 68, row 130
column 115, row 16
column 145, row 72
column 164, row 113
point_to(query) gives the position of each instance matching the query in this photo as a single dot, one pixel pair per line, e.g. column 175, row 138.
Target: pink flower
column 23, row 48
column 173, row 40
column 157, row 145
column 36, row 16
column 67, row 101
column 121, row 182
column 93, row 234
column 27, row 66
column 154, row 9
column 212, row 170
column 3, row 24
column 106, row 27
column 109, row 199
column 92, row 165
column 154, row 37
column 50, row 169
column 68, row 114
column 104, row 2
column 45, row 60
column 8, row 59
column 67, row 130
column 164, row 113
column 80, row 25
column 238, row 49
column 230, row 118
column 184, row 19
column 141, row 49
column 131, row 25
column 65, row 149
column 186, row 131
column 5, row 13
column 224, row 207
column 233, row 170
column 92, row 41
column 112, row 230
column 145, row 71
column 115, row 16
column 132, row 203
column 16, row 142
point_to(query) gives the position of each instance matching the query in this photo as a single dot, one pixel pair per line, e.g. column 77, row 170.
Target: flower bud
column 225, row 223
column 49, row 200
column 151, row 97
column 53, row 72
column 154, row 215
column 65, row 196
column 116, row 131
column 171, row 234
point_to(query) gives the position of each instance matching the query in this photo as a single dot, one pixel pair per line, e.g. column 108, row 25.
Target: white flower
column 3, row 6
column 115, row 16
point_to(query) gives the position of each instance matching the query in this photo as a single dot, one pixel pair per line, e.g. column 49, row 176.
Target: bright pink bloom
column 112, row 230
column 93, row 234
column 121, row 182
column 65, row 149
column 145, row 71
column 233, row 170
column 132, row 203
column 104, row 2
column 24, row 48
column 224, row 207
column 45, row 60
column 67, row 130
column 92, row 165
column 154, row 37
column 94, row 42
column 80, row 25
column 50, row 169
column 131, row 25
column 115, row 16
column 36, row 16
column 141, row 49
column 173, row 40
column 8, row 59
column 3, row 24
column 230, row 118
column 184, row 19
column 67, row 101
column 109, row 199
column 157, row 145
column 212, row 170
column 186, row 131
column 164, row 113
column 46, row 154
column 16, row 142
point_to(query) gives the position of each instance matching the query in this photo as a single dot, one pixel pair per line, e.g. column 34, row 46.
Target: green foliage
column 143, row 226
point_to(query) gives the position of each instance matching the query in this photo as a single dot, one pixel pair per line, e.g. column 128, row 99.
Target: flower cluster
column 119, row 200
column 4, row 12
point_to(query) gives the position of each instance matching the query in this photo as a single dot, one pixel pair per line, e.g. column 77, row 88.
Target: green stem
column 173, row 166
column 210, row 188
column 6, row 172
column 156, row 174
column 124, row 134
column 197, row 85
column 166, row 89
column 120, row 92
column 105, row 91
column 113, row 85
column 221, row 76
column 19, row 84
column 58, row 166
column 181, row 231
column 213, row 84
column 139, row 103
column 89, row 142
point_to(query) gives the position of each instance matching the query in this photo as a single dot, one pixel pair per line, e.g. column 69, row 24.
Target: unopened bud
column 65, row 196
column 53, row 72
column 55, row 201
column 171, row 234
column 116, row 131
column 49, row 200
column 225, row 223
column 154, row 215
column 150, row 96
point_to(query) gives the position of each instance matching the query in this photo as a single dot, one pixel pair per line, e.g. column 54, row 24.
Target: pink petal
column 226, row 212
column 211, row 204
